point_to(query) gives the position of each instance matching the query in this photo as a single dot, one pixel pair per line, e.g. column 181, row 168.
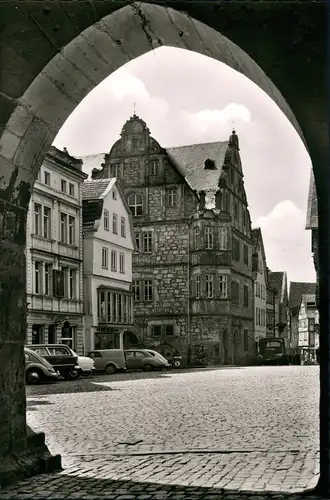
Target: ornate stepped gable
column 203, row 166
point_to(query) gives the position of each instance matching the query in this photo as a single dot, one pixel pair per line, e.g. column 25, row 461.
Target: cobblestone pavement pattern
column 184, row 434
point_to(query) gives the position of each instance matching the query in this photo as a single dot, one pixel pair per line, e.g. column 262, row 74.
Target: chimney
column 202, row 196
column 218, row 199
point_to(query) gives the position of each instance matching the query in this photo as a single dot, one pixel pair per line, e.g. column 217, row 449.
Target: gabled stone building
column 192, row 274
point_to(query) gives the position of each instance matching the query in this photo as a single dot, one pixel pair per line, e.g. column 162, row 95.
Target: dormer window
column 209, row 164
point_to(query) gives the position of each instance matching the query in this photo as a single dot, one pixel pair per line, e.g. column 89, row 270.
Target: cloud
column 96, row 122
column 205, row 119
column 123, row 84
column 287, row 243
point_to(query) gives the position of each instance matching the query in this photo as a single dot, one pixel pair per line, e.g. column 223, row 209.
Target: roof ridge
column 196, row 144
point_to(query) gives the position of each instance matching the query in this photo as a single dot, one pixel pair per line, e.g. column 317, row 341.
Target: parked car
column 160, row 356
column 60, row 357
column 37, row 369
column 108, row 360
column 86, row 365
column 144, row 359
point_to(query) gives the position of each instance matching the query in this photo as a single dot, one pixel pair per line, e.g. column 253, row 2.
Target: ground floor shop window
column 162, row 330
column 37, row 334
column 68, row 336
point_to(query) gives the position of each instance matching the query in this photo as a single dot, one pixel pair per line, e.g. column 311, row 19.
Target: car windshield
column 271, row 345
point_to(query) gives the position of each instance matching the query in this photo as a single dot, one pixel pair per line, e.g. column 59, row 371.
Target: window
column 156, row 330
column 198, row 286
column 115, row 170
column 171, row 197
column 48, row 279
column 153, row 167
column 47, row 178
column 169, row 330
column 136, row 290
column 68, row 336
column 147, row 242
column 223, row 238
column 236, row 249
column 37, row 219
column 114, row 194
column 235, row 292
column 114, row 224
column 135, row 143
column 105, row 258
column 311, row 324
column 246, row 254
column 209, row 238
column 71, row 230
column 142, row 290
column 209, row 286
column 72, row 274
column 137, row 241
column 106, row 220
column 113, row 260
column 196, row 238
column 159, row 330
column 148, row 291
column 235, row 211
column 246, row 340
column 223, row 286
column 122, row 262
column 246, row 296
column 123, row 227
column 71, row 189
column 63, row 186
column 135, row 203
column 37, row 277
column 64, row 228
column 47, row 223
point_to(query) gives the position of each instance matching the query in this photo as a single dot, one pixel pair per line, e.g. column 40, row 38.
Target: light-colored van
column 108, row 360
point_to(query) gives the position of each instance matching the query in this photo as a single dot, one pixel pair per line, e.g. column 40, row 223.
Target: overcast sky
column 187, row 98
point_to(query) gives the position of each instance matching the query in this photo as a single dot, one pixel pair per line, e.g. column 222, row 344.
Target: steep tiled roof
column 297, row 289
column 92, row 212
column 190, row 162
column 312, row 217
column 93, row 192
column 95, row 189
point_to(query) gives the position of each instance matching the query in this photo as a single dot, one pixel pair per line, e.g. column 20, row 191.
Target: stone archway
column 76, row 49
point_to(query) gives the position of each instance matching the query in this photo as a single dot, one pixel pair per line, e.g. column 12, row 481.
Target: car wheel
column 110, row 369
column 73, row 374
column 33, row 376
column 147, row 368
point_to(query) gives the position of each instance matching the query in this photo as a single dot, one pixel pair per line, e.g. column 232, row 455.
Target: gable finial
column 134, row 114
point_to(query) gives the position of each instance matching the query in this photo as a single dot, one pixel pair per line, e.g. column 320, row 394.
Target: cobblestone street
column 172, row 435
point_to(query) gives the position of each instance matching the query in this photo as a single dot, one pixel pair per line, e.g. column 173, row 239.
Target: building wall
column 260, row 297
column 46, row 251
column 96, row 275
column 165, row 262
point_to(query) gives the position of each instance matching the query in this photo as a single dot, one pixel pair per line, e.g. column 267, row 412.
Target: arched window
column 135, row 203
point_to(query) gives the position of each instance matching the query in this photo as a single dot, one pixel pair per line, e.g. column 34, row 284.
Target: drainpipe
column 274, row 318
column 188, row 293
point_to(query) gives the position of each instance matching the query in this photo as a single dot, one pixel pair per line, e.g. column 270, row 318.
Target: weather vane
column 134, row 107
